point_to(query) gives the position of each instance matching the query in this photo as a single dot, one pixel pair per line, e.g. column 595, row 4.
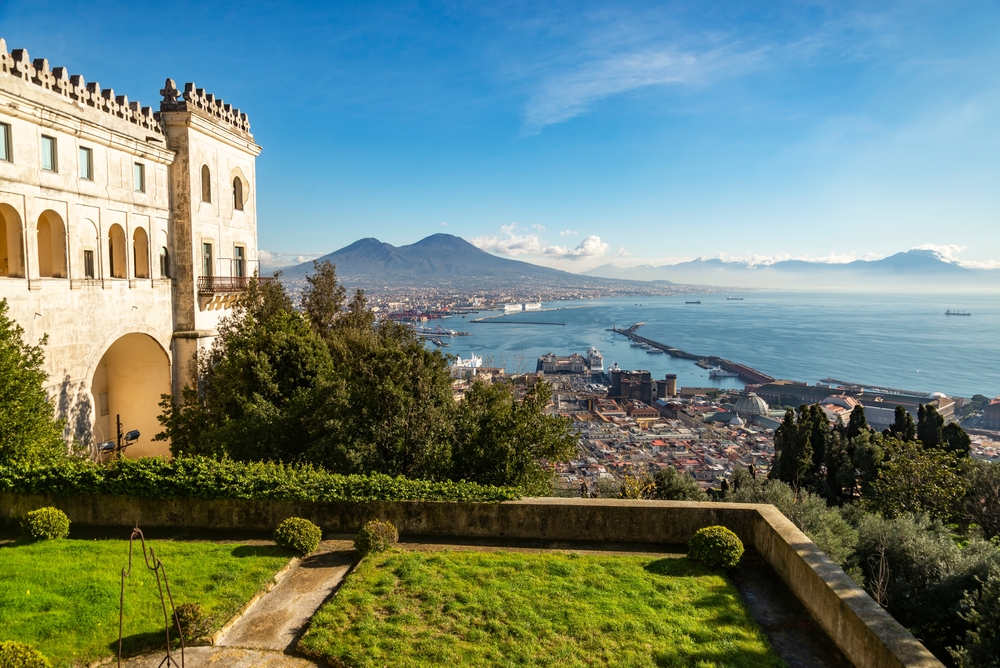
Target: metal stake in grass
column 155, row 565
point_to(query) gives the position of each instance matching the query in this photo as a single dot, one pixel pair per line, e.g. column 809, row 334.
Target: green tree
column 29, row 431
column 914, row 479
column 902, row 427
column 981, row 504
column 259, row 385
column 672, row 485
column 956, row 440
column 323, row 299
column 981, row 611
column 397, row 412
column 930, row 426
column 499, row 440
column 919, row 571
column 824, row 525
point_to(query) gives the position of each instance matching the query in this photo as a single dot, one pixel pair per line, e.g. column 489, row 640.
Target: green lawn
column 514, row 609
column 62, row 596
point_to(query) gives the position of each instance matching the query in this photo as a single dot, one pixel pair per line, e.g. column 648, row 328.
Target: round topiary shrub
column 375, row 536
column 716, row 547
column 15, row 654
column 45, row 524
column 298, row 535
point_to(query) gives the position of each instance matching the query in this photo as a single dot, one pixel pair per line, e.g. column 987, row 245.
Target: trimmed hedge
column 15, row 654
column 205, row 478
column 298, row 535
column 375, row 536
column 45, row 524
column 716, row 547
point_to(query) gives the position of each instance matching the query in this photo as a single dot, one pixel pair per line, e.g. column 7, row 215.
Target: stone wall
column 866, row 634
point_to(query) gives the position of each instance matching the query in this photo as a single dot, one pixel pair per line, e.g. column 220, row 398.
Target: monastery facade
column 125, row 235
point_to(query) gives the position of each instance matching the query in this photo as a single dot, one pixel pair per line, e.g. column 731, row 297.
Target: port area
column 748, row 374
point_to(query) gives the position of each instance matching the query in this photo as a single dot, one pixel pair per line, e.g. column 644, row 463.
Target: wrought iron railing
column 210, row 285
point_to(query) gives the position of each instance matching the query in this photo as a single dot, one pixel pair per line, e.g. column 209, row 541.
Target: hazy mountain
column 440, row 260
column 914, row 269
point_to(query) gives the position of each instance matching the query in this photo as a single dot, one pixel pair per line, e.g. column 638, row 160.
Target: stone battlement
column 18, row 64
column 196, row 98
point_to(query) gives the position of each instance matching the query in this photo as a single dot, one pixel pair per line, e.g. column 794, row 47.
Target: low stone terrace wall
column 865, row 633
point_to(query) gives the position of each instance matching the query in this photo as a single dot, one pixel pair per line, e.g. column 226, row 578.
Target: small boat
column 950, row 312
column 636, row 344
column 697, row 302
column 654, row 351
column 722, row 373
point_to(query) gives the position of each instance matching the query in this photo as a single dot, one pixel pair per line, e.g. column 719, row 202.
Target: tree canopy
column 29, row 431
column 329, row 385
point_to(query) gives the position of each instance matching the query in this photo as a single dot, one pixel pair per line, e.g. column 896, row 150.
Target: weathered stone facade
column 124, row 236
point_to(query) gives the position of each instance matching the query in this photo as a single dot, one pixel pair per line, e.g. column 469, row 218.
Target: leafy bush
column 375, row 536
column 206, row 478
column 45, row 524
column 18, row 655
column 716, row 547
column 192, row 620
column 298, row 535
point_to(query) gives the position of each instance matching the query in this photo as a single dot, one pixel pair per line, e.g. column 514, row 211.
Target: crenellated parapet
column 197, row 98
column 18, row 64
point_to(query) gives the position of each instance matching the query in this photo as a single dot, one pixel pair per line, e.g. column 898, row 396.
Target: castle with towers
column 125, row 236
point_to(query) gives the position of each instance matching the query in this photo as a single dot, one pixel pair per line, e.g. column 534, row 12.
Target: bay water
column 900, row 341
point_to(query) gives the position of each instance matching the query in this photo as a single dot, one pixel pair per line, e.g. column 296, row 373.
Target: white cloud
column 565, row 233
column 537, row 228
column 271, row 260
column 947, row 251
column 444, row 224
column 513, row 241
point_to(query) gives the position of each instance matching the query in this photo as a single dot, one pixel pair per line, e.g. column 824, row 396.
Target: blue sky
column 573, row 134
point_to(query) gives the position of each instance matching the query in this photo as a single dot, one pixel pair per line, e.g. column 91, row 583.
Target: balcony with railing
column 214, row 285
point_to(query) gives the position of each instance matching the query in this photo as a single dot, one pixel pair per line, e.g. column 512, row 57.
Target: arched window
column 206, row 184
column 11, row 256
column 238, row 193
column 164, row 263
column 116, row 252
column 140, row 246
column 51, row 245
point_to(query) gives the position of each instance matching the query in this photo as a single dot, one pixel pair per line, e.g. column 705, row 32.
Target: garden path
column 279, row 619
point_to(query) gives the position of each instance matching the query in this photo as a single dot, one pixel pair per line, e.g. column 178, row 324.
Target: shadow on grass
column 673, row 567
column 244, row 551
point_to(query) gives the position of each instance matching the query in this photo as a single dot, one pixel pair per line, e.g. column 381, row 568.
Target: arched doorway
column 116, row 252
column 11, row 253
column 51, row 245
column 128, row 381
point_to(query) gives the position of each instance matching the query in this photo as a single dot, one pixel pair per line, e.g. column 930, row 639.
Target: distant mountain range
column 444, row 260
column 923, row 269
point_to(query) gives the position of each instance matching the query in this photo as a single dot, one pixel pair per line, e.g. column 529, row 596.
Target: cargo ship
column 722, row 373
column 697, row 302
column 735, row 299
column 950, row 312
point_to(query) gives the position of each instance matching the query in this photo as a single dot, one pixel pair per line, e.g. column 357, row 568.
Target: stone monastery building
column 125, row 235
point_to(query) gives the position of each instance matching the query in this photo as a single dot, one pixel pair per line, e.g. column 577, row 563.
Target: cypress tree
column 930, row 426
column 902, row 427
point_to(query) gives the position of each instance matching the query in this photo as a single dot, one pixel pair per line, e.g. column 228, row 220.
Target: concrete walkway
column 280, row 618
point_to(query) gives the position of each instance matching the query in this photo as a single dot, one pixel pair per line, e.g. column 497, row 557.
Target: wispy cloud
column 513, row 241
column 271, row 260
column 566, row 233
column 444, row 224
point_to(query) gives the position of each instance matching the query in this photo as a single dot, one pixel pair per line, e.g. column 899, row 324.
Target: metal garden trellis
column 155, row 565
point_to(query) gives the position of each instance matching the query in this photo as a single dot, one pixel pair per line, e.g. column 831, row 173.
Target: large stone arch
column 130, row 375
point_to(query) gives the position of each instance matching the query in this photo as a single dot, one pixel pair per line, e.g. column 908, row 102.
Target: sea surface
column 896, row 341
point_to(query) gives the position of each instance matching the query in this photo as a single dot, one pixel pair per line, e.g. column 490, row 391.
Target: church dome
column 736, row 422
column 750, row 405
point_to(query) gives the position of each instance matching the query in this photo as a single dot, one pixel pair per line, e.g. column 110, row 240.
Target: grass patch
column 514, row 609
column 62, row 596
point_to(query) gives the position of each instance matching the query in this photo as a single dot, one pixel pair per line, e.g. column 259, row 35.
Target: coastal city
column 628, row 422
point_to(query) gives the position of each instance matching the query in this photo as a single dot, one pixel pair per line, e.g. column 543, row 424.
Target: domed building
column 750, row 406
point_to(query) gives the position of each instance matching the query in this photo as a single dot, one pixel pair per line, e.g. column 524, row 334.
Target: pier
column 495, row 321
column 745, row 373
